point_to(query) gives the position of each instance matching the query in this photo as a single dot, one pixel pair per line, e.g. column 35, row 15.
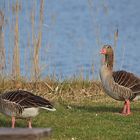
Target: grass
column 98, row 120
column 84, row 112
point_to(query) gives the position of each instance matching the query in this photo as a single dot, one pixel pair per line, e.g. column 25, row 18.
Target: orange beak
column 103, row 51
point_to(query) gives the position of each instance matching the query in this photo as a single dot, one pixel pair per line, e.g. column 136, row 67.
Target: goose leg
column 13, row 122
column 128, row 112
column 29, row 123
column 124, row 108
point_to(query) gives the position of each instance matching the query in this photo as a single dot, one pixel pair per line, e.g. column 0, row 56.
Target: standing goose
column 120, row 85
column 23, row 104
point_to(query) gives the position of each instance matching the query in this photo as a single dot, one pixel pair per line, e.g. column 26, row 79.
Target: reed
column 32, row 40
column 116, row 33
column 75, row 88
column 2, row 48
column 37, row 41
column 16, row 53
column 116, row 38
column 123, row 57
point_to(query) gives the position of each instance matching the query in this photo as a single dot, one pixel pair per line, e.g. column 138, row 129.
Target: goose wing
column 26, row 99
column 128, row 80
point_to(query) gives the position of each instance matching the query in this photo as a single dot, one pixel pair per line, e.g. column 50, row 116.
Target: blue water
column 73, row 33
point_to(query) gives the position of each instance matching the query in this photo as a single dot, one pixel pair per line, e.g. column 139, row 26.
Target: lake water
column 73, row 33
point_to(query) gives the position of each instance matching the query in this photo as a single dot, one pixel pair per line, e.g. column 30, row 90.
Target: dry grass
column 72, row 90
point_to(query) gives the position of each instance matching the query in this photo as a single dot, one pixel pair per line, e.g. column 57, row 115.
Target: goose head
column 108, row 53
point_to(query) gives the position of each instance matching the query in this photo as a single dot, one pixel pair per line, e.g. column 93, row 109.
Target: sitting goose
column 23, row 104
column 120, row 85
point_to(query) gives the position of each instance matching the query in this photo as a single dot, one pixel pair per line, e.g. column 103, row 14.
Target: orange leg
column 128, row 112
column 13, row 122
column 30, row 123
column 124, row 108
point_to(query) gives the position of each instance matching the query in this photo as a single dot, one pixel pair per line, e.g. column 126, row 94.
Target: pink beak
column 103, row 51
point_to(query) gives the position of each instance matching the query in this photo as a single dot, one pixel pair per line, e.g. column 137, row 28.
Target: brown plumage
column 22, row 104
column 120, row 85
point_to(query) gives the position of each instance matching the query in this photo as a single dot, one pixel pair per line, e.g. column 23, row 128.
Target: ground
column 91, row 120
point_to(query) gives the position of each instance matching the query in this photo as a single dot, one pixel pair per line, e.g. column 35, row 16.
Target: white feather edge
column 53, row 109
column 33, row 111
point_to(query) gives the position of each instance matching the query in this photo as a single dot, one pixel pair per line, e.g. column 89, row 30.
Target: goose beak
column 103, row 51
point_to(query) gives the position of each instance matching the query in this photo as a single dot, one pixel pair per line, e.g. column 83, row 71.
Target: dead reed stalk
column 2, row 48
column 16, row 55
column 33, row 40
column 38, row 42
column 115, row 38
column 115, row 41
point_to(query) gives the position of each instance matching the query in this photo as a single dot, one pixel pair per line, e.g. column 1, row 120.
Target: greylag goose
column 23, row 104
column 120, row 85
